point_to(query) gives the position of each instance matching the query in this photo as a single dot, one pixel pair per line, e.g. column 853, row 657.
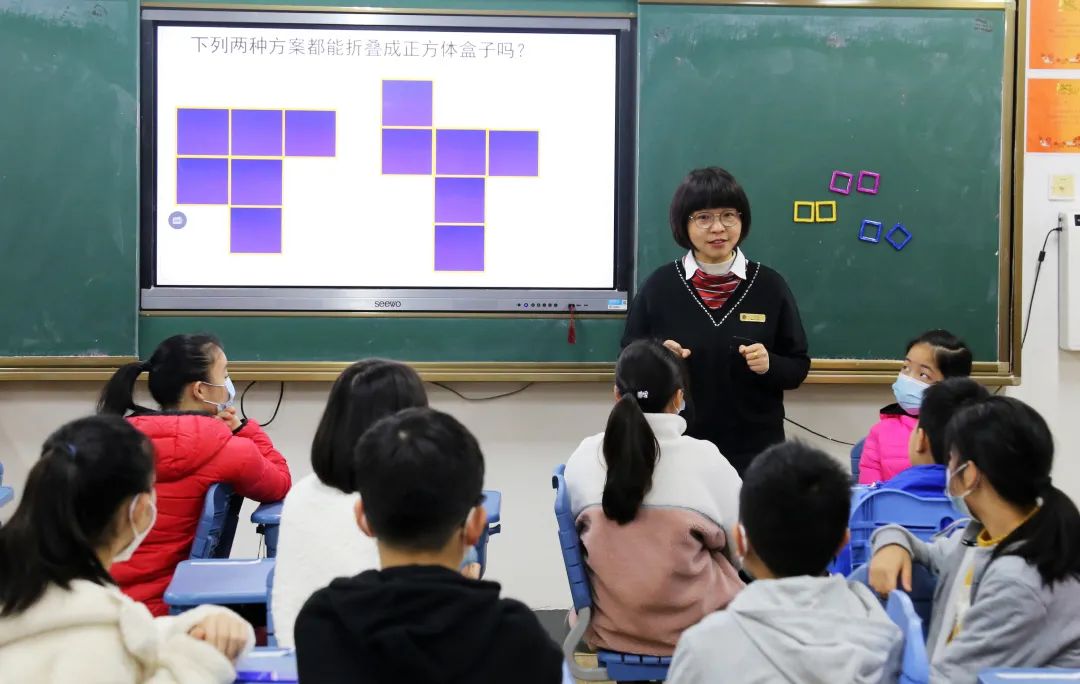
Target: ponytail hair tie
column 643, row 394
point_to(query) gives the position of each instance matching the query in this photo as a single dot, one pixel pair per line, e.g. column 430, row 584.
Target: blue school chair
column 923, row 584
column 218, row 582
column 856, row 456
column 267, row 519
column 6, row 493
column 626, row 667
column 1045, row 675
column 923, row 517
column 914, row 664
column 267, row 665
column 217, row 523
column 493, row 508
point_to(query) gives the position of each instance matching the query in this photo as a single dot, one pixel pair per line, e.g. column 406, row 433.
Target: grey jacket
column 1014, row 620
column 799, row 630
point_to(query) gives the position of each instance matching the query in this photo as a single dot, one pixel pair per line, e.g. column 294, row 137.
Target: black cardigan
column 728, row 404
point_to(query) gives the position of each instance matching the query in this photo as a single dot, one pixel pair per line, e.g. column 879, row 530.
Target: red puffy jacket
column 194, row 452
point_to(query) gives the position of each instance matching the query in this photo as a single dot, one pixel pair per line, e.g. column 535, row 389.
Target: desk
column 1028, row 676
column 267, row 665
column 219, row 582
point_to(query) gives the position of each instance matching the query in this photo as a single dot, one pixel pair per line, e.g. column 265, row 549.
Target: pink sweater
column 885, row 452
column 668, row 568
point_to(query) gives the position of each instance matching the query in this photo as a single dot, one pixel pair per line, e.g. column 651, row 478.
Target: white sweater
column 317, row 543
column 93, row 634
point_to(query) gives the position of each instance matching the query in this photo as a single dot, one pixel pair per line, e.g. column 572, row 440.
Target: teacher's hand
column 674, row 346
column 757, row 357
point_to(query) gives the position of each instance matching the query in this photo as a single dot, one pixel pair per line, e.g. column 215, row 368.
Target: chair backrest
column 217, row 523
column 923, row 585
column 923, row 517
column 856, row 457
column 576, row 572
column 914, row 664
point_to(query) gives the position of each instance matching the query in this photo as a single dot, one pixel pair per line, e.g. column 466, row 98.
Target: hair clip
column 643, row 394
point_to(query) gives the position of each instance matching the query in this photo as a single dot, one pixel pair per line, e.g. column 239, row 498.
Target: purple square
column 310, row 134
column 256, row 132
column 202, row 131
column 460, row 153
column 255, row 231
column 406, row 103
column 459, row 200
column 256, row 182
column 514, row 153
column 202, row 181
column 459, row 248
column 406, row 151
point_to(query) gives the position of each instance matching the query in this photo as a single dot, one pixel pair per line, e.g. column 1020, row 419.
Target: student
column 931, row 357
column 318, row 540
column 89, row 501
column 926, row 448
column 794, row 623
column 1008, row 589
column 418, row 620
column 199, row 441
column 656, row 511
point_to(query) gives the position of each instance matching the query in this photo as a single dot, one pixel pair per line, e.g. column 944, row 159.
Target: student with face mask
column 199, row 441
column 1008, row 589
column 656, row 511
column 930, row 358
column 89, row 501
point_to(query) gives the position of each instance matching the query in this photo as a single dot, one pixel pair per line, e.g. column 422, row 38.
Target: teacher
column 733, row 320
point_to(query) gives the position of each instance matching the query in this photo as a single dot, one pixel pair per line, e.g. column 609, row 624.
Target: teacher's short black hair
column 707, row 188
column 794, row 506
column 419, row 473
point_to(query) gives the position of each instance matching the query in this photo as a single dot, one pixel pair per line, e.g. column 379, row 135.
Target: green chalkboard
column 780, row 96
column 68, row 194
column 784, row 96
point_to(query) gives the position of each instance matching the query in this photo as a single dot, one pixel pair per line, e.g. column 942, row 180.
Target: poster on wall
column 1053, row 115
column 1055, row 34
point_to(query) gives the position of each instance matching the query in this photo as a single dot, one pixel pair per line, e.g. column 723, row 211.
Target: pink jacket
column 885, row 452
column 670, row 566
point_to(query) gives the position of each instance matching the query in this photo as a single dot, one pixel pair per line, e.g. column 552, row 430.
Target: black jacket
column 421, row 625
column 728, row 404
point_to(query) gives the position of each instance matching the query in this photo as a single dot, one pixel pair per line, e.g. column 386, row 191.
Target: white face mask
column 128, row 551
column 230, row 388
column 958, row 499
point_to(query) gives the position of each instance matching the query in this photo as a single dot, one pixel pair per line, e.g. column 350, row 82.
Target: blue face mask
column 228, row 388
column 909, row 393
column 957, row 500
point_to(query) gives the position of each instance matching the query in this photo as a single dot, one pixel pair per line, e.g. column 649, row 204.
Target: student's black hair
column 1012, row 447
column 177, row 362
column 87, row 471
column 951, row 354
column 940, row 403
column 364, row 392
column 419, row 473
column 794, row 506
column 707, row 188
column 647, row 375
